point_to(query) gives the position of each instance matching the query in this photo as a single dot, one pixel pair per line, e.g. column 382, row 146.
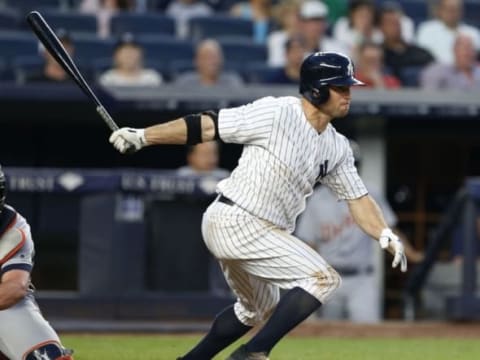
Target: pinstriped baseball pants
column 258, row 259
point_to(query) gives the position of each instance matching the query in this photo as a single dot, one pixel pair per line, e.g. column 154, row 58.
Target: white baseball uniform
column 22, row 326
column 282, row 159
column 328, row 226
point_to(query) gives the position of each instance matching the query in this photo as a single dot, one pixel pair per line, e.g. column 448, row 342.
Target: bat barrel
column 53, row 45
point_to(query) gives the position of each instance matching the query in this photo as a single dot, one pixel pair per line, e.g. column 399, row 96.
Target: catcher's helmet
column 321, row 69
column 3, row 189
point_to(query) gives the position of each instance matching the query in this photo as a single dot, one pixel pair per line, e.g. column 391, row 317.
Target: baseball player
column 24, row 333
column 289, row 145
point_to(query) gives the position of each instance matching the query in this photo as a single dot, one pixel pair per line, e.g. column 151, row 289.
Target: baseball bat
column 53, row 45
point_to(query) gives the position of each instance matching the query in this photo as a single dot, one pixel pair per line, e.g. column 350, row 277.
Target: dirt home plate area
column 458, row 330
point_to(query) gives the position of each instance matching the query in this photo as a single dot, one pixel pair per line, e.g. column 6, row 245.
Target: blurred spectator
column 398, row 53
column 202, row 159
column 336, row 9
column 464, row 74
column 259, row 11
column 406, row 23
column 183, row 10
column 327, row 226
column 438, row 35
column 370, row 68
column 92, row 6
column 209, row 68
column 128, row 68
column 295, row 48
column 104, row 10
column 286, row 15
column 359, row 27
column 52, row 71
column 313, row 25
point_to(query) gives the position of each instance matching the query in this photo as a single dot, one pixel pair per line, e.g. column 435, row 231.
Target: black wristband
column 194, row 128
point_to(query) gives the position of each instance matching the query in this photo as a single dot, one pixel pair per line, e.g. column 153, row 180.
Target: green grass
column 151, row 347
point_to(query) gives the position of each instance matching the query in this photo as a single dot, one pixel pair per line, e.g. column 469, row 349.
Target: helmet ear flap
column 320, row 94
column 317, row 95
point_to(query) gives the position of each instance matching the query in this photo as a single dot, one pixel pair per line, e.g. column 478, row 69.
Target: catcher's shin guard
column 49, row 351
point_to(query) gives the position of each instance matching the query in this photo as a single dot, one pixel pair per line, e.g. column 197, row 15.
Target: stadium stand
column 142, row 24
column 179, row 67
column 27, row 5
column 472, row 13
column 24, row 66
column 16, row 43
column 410, row 76
column 220, row 25
column 416, row 10
column 9, row 19
column 73, row 21
column 6, row 74
column 258, row 73
column 242, row 50
column 89, row 47
column 157, row 33
column 166, row 50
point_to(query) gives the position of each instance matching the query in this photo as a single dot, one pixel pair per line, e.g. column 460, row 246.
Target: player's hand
column 390, row 242
column 128, row 139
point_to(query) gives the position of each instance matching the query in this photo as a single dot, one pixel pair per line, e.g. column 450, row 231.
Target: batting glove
column 390, row 242
column 128, row 139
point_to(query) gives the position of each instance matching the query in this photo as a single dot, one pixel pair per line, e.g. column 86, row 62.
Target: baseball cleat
column 242, row 354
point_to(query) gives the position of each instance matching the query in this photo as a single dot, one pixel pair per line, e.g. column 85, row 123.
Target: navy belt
column 225, row 200
column 354, row 271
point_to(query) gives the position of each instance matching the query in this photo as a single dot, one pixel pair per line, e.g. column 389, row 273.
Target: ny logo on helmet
column 350, row 69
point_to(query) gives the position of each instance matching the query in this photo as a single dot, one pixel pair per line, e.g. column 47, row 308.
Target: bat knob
column 131, row 150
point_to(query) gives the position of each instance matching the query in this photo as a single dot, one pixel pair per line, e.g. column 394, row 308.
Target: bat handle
column 107, row 118
column 111, row 124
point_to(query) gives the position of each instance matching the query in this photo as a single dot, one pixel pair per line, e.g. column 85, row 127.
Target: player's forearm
column 11, row 292
column 175, row 132
column 368, row 215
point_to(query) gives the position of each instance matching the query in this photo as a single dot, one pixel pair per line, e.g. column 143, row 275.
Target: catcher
column 24, row 333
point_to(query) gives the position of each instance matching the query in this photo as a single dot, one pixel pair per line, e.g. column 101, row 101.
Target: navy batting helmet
column 3, row 189
column 322, row 69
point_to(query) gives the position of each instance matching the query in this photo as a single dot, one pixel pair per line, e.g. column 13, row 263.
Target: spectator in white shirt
column 438, row 35
column 313, row 25
column 463, row 74
column 286, row 15
column 359, row 27
column 128, row 68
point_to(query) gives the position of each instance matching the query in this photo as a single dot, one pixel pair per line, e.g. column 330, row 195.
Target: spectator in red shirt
column 370, row 68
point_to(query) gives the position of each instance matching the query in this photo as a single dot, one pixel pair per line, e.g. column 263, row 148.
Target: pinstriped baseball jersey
column 282, row 159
